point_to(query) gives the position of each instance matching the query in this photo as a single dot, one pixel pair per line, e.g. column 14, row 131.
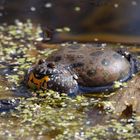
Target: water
column 92, row 17
column 51, row 115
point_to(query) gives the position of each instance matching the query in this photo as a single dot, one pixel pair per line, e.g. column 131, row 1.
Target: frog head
column 48, row 75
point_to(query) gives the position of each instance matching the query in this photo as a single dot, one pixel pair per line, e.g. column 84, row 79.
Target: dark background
column 95, row 16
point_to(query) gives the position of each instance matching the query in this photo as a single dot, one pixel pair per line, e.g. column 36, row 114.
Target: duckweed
column 47, row 114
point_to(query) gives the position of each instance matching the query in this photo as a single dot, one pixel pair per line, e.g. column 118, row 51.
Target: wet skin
column 91, row 68
column 98, row 66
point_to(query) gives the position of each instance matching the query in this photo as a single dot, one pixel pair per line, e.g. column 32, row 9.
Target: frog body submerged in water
column 82, row 68
column 79, row 68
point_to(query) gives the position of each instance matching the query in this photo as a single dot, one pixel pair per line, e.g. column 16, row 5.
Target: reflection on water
column 94, row 16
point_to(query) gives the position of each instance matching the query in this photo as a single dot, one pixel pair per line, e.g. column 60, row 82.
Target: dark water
column 81, row 16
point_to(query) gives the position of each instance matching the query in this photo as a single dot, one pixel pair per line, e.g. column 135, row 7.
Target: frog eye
column 51, row 65
column 41, row 61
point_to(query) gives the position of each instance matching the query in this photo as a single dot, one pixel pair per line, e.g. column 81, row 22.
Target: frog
column 79, row 69
column 82, row 68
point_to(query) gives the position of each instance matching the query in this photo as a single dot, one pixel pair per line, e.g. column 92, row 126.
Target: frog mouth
column 37, row 83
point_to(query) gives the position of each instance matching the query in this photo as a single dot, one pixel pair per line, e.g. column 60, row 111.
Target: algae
column 49, row 115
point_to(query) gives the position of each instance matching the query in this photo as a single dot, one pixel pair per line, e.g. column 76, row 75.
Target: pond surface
column 51, row 116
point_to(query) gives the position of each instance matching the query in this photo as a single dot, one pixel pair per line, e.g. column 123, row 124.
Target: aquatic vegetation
column 61, row 117
column 49, row 115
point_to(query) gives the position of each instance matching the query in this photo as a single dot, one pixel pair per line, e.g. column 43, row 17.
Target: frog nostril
column 51, row 65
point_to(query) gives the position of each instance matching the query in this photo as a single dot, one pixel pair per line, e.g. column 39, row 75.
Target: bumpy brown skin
column 95, row 66
column 58, row 78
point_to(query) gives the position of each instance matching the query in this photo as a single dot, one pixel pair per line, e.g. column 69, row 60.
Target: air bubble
column 48, row 5
column 33, row 8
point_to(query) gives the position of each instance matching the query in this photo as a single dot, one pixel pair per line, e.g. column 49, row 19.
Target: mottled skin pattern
column 45, row 75
column 94, row 66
